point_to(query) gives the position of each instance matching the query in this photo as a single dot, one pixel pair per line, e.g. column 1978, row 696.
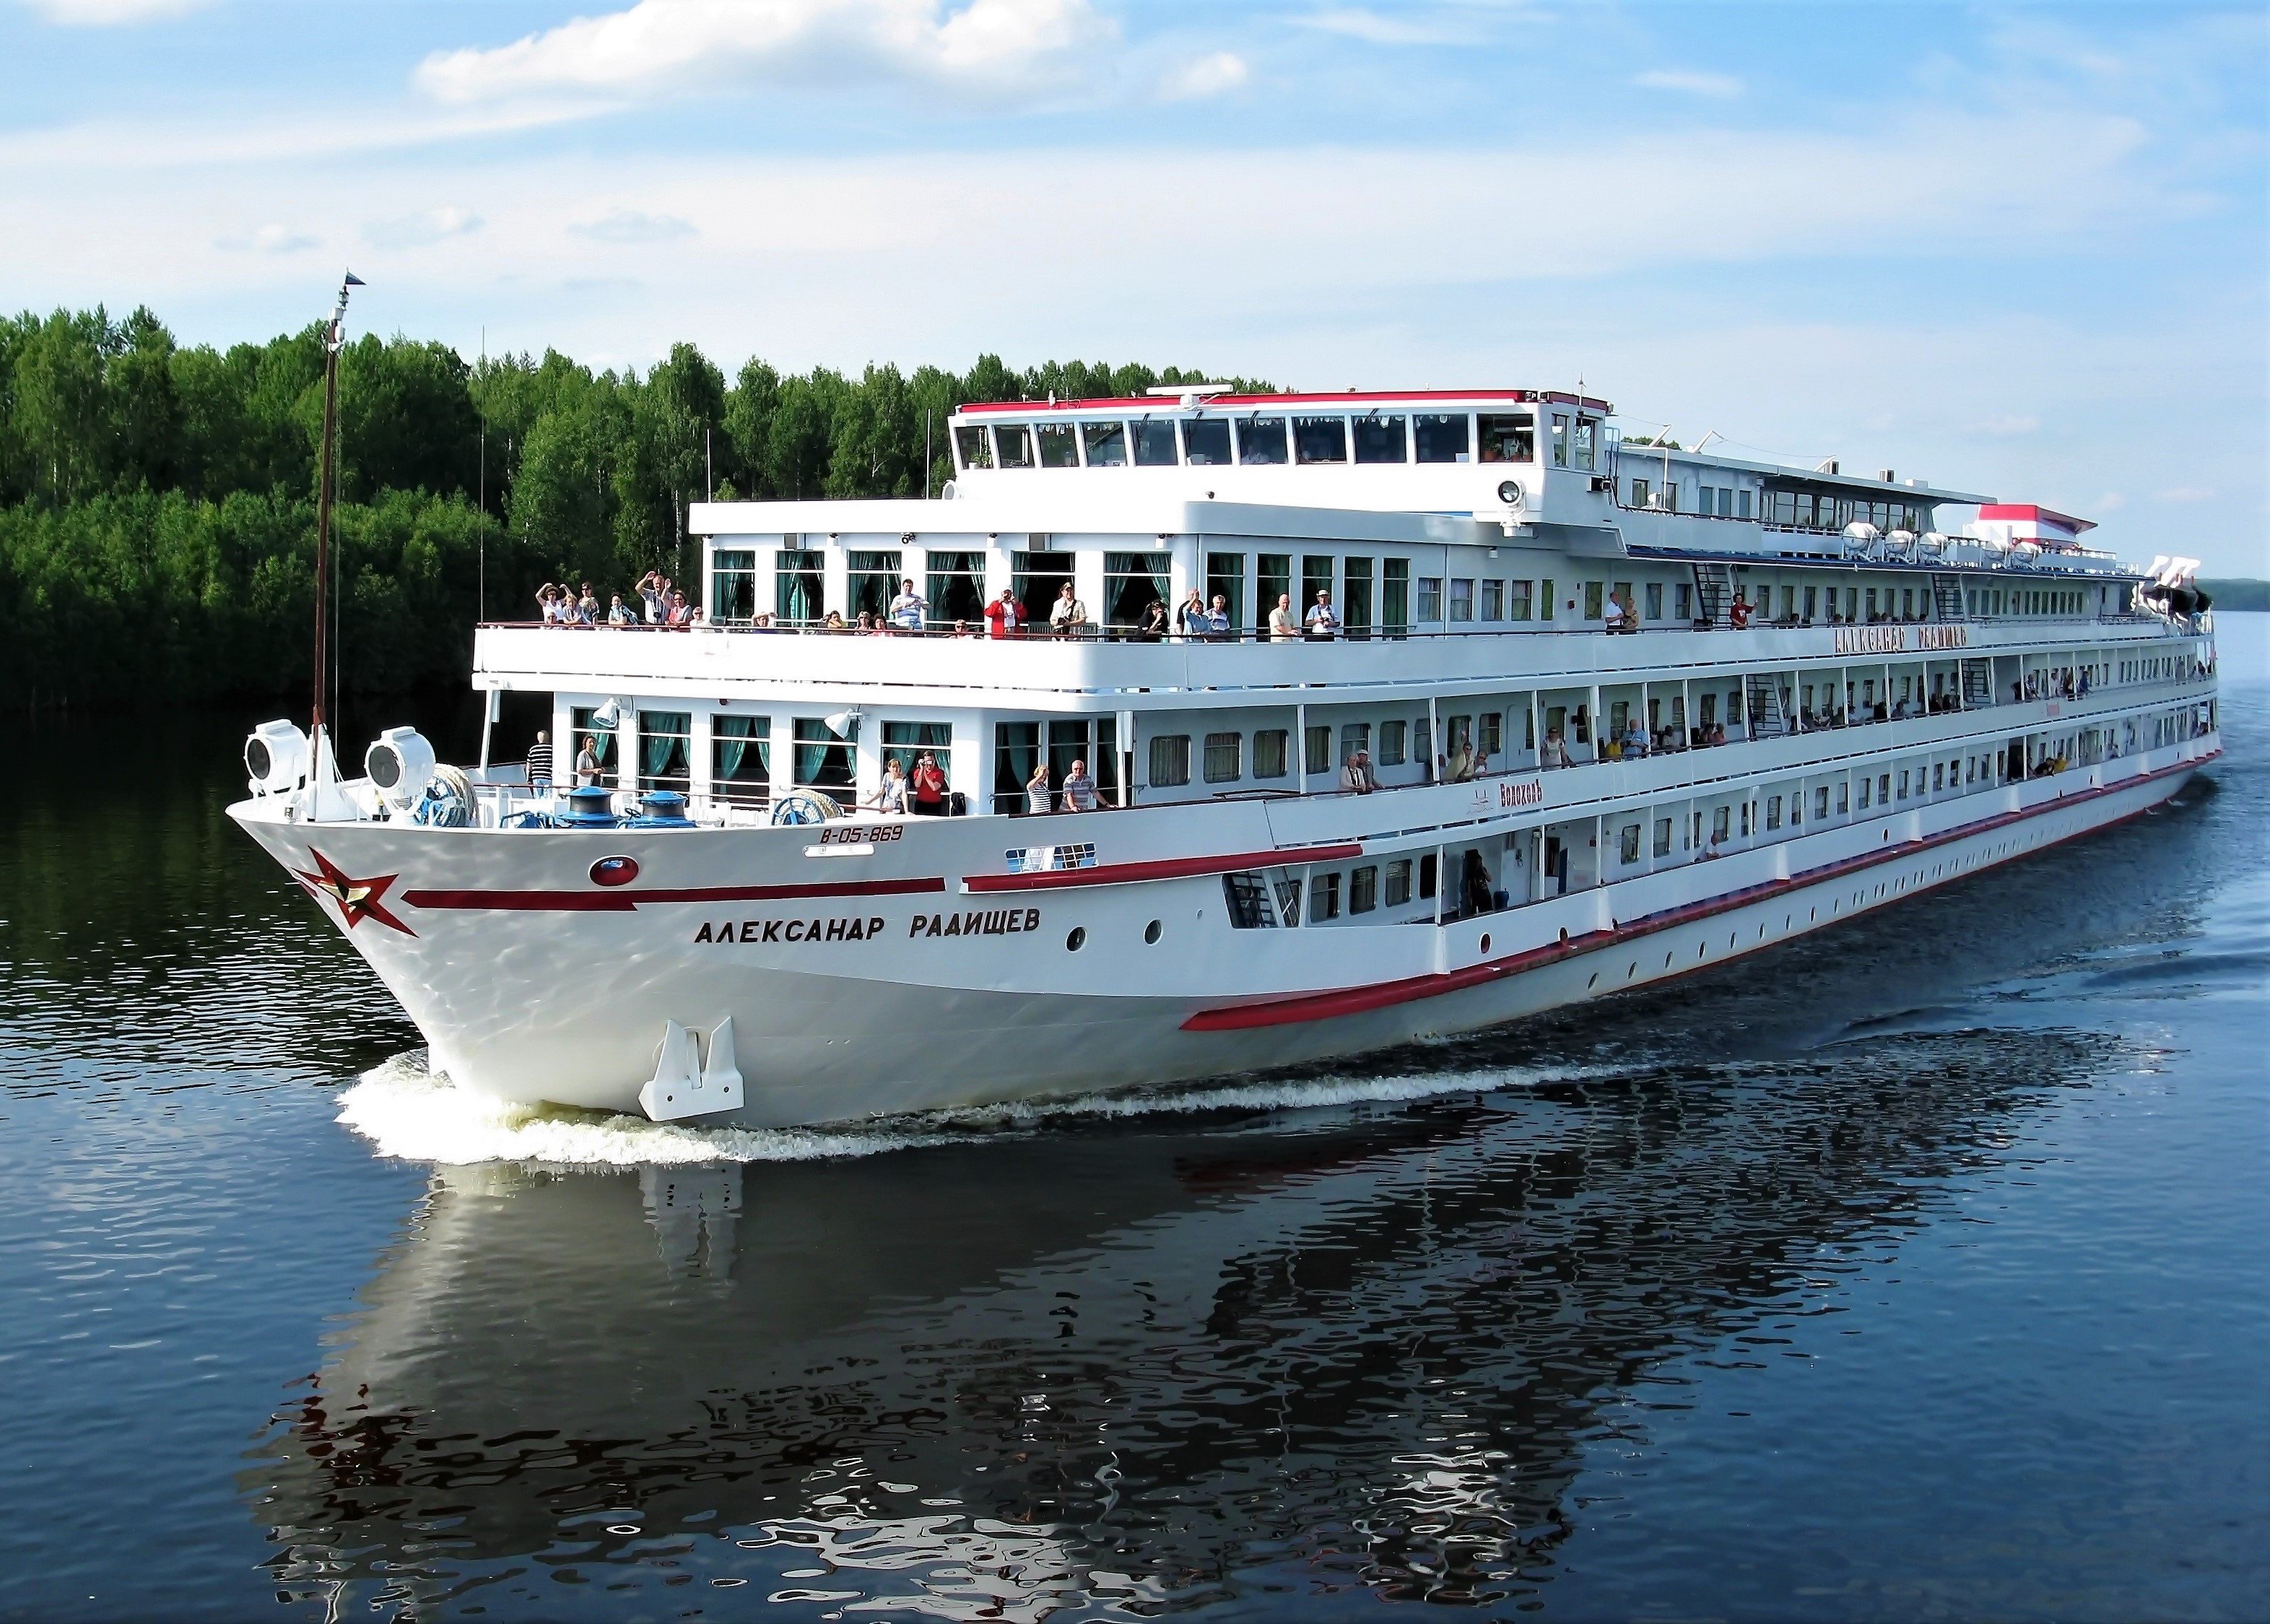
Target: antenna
column 481, row 529
column 326, row 477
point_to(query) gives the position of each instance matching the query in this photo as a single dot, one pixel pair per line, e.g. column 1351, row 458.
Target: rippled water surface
column 1917, row 1269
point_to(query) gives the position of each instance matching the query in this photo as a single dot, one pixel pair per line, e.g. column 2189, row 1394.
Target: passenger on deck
column 1004, row 615
column 620, row 613
column 891, row 795
column 1474, row 894
column 1152, row 626
column 1635, row 740
column 1355, row 774
column 909, row 608
column 681, row 613
column 1281, row 629
column 835, row 622
column 1322, row 623
column 1555, row 752
column 928, row 786
column 1217, row 620
column 1739, row 612
column 587, row 606
column 1462, row 763
column 587, row 763
column 1191, row 618
column 866, row 621
column 1036, row 790
column 540, row 762
column 1068, row 616
column 1078, row 789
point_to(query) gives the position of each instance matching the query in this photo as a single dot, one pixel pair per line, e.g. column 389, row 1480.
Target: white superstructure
column 1783, row 696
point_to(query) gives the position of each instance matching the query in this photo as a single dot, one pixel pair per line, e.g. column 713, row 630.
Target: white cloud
column 2112, row 501
column 110, row 13
column 1357, row 22
column 2186, row 494
column 1206, row 76
column 2013, row 423
column 633, row 225
column 271, row 239
column 1723, row 86
column 424, row 228
column 659, row 47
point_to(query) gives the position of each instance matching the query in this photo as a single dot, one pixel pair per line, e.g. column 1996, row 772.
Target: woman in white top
column 891, row 795
column 1068, row 614
column 1036, row 790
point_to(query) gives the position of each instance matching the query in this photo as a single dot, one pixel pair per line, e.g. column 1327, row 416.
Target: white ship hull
column 887, row 982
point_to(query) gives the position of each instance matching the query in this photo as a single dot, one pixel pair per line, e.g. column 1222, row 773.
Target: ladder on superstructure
column 1714, row 594
column 1978, row 684
column 1762, row 705
column 1947, row 598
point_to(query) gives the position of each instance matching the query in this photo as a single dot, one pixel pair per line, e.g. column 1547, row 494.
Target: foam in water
column 406, row 1111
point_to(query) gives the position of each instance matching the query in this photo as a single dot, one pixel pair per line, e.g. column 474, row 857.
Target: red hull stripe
column 1163, row 868
column 627, row 902
column 1358, row 1000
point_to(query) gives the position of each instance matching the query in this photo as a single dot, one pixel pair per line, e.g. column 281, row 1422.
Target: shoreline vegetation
column 157, row 501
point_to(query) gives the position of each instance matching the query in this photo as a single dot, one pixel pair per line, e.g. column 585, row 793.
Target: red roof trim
column 1169, row 402
column 1163, row 868
column 2029, row 511
column 1303, row 1007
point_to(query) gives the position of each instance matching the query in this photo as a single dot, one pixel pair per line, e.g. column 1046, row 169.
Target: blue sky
column 2023, row 251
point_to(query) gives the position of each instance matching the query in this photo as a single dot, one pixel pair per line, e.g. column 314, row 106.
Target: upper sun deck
column 1505, row 456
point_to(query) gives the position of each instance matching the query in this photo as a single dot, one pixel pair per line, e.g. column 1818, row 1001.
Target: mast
column 326, row 477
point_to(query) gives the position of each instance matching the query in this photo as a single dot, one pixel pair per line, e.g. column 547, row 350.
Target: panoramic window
column 1508, row 436
column 732, row 585
column 1059, row 445
column 1154, row 443
column 1320, row 440
column 795, row 585
column 1013, row 444
column 1260, row 441
column 1381, row 440
column 907, row 741
column 824, row 758
column 665, row 746
column 1106, row 443
column 1441, row 437
column 1205, row 442
column 969, row 443
column 873, row 579
column 1395, row 595
column 740, row 759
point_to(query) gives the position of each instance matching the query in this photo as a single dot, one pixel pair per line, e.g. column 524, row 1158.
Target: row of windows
column 1256, row 440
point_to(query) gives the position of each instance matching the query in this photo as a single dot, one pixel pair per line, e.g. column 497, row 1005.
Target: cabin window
column 1391, row 737
column 971, row 446
column 1422, row 745
column 1320, row 440
column 1627, row 843
column 1363, row 889
column 740, row 759
column 1718, row 822
column 1662, row 837
column 1354, row 736
column 1493, row 733
column 1788, row 603
column 1904, row 777
column 1395, row 597
column 1323, row 897
column 1851, row 602
column 1269, row 757
column 1059, row 445
column 1381, row 440
column 1508, row 436
column 1223, row 753
column 1398, row 883
column 795, row 586
column 1037, row 578
column 1013, row 444
column 907, row 741
column 1430, row 600
column 1105, row 444
column 874, row 581
column 1844, row 797
column 1317, row 749
column 732, row 585
column 1170, row 761
column 1559, row 440
column 1226, row 580
column 665, row 747
column 1938, row 778
column 1638, row 494
column 1205, row 442
column 1276, row 582
column 1741, row 504
column 1016, row 754
column 1592, row 600
column 1355, row 597
column 1520, row 608
column 1427, row 875
column 584, row 729
column 1748, row 811
column 1462, row 600
column 1441, row 437
column 957, row 588
column 1654, row 600
column 824, row 760
column 1316, row 577
column 1773, row 812
column 1132, row 581
column 1864, row 787
column 1260, row 441
column 1907, row 602
column 1154, row 443
column 1493, row 605
column 1812, row 596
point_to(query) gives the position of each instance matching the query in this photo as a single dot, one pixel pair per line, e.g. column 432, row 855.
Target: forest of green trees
column 157, row 500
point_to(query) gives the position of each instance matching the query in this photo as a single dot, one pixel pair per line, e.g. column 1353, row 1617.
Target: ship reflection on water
column 1350, row 1354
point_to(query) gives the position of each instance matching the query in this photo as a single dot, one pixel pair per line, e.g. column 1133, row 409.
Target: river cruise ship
column 1241, row 732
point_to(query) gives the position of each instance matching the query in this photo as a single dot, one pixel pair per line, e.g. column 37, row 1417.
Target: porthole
column 1485, row 941
column 1077, row 940
column 1594, row 983
column 1151, row 933
column 614, row 871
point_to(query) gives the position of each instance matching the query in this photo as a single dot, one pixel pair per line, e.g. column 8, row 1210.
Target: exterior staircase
column 1978, row 684
column 1762, row 705
column 1947, row 598
column 1714, row 594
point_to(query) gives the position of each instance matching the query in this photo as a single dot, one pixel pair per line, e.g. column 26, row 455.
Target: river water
column 1915, row 1269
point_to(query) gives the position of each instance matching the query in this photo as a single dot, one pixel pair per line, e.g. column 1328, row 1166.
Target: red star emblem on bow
column 358, row 899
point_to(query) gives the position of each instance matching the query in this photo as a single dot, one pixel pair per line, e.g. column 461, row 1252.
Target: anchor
column 681, row 1085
